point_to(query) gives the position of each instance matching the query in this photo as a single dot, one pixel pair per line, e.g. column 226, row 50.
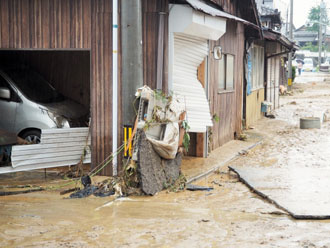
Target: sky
column 300, row 9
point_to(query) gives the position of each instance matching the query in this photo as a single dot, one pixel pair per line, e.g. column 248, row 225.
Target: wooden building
column 277, row 48
column 70, row 43
column 225, row 97
column 264, row 84
column 34, row 28
column 255, row 88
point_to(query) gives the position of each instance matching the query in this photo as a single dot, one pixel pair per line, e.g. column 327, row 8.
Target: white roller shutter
column 189, row 53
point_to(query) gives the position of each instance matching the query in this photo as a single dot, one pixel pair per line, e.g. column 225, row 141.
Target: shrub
column 293, row 73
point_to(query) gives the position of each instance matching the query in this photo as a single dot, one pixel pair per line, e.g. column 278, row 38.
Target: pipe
column 278, row 54
column 114, row 84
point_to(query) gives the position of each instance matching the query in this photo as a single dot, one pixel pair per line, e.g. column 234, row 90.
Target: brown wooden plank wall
column 69, row 24
column 45, row 24
column 102, row 81
column 241, row 8
column 228, row 106
column 230, row 6
column 151, row 12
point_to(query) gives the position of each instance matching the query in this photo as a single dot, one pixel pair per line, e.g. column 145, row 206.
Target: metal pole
column 114, row 85
column 325, row 43
column 287, row 21
column 320, row 33
column 290, row 54
column 320, row 42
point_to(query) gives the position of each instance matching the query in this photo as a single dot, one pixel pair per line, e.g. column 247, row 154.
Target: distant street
column 307, row 77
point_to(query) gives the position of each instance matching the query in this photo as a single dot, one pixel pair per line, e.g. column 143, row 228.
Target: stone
column 154, row 172
column 151, row 173
column 172, row 168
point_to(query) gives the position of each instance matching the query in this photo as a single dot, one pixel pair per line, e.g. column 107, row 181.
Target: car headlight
column 60, row 121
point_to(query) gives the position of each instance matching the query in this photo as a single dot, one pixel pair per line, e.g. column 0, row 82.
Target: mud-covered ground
column 228, row 216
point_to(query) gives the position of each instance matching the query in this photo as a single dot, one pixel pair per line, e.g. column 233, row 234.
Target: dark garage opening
column 68, row 72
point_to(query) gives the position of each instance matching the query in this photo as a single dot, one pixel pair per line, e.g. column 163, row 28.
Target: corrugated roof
column 276, row 36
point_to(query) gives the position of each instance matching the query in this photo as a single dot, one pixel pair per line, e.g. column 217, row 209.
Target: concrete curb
column 208, row 172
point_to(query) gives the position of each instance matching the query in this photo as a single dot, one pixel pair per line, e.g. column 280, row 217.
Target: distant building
column 264, row 3
column 303, row 36
column 269, row 17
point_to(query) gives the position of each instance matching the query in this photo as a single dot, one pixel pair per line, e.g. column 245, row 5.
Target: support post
column 132, row 62
column 320, row 33
column 290, row 54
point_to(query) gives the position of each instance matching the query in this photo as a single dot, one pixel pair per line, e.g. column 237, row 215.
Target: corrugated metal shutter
column 189, row 53
column 58, row 147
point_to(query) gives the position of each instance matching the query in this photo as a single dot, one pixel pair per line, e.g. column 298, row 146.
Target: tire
column 32, row 136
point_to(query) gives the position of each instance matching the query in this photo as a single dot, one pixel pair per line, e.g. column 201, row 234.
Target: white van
column 28, row 103
column 308, row 64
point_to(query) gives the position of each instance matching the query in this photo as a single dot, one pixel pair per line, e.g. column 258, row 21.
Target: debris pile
column 155, row 172
column 105, row 188
column 158, row 136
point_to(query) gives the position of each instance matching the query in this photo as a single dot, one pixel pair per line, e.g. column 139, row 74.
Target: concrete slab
column 196, row 168
column 303, row 192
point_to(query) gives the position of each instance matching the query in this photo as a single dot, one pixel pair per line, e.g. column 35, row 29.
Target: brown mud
column 228, row 216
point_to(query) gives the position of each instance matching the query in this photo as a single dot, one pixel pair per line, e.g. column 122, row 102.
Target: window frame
column 13, row 91
column 225, row 62
column 258, row 52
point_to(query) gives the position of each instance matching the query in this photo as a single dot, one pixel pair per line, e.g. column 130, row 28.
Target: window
column 3, row 82
column 226, row 72
column 257, row 55
column 34, row 86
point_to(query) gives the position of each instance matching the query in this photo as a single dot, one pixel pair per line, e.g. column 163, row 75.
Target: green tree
column 313, row 48
column 314, row 17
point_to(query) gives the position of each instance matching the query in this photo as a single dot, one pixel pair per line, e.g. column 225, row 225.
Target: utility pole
column 320, row 32
column 131, row 60
column 287, row 21
column 290, row 54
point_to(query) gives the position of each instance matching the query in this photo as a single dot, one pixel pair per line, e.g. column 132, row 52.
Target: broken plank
column 41, row 149
column 60, row 159
column 50, row 154
column 63, row 140
column 47, row 146
column 64, row 130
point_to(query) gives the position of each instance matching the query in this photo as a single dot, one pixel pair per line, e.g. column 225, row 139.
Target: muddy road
column 228, row 216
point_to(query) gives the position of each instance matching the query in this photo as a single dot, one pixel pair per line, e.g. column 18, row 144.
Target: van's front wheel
column 32, row 136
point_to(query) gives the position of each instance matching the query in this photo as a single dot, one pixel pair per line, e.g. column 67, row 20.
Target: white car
column 325, row 66
column 28, row 103
column 308, row 64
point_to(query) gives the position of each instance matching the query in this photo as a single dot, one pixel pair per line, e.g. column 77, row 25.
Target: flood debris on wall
column 157, row 142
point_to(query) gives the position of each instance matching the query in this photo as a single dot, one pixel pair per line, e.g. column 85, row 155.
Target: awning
column 185, row 19
column 207, row 9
